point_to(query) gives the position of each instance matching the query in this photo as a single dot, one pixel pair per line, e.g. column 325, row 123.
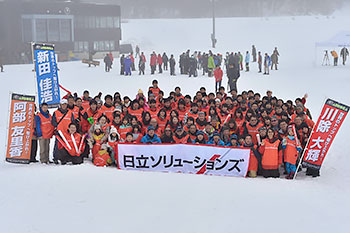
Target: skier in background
column 267, row 63
column 247, row 60
column 165, row 61
column 240, row 60
column 259, row 61
column 193, row 67
column 122, row 65
column 160, row 63
column 254, row 53
column 127, row 63
column 108, row 62
column 142, row 65
column 172, row 64
column 335, row 57
column 344, row 53
column 137, row 49
column 274, row 60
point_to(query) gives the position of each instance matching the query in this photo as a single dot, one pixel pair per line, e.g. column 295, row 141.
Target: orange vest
column 291, row 153
column 108, row 112
column 253, row 161
column 254, row 131
column 181, row 140
column 63, row 125
column 47, row 128
column 270, row 158
column 77, row 137
column 137, row 113
column 124, row 131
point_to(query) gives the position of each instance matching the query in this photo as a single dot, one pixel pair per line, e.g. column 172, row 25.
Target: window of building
column 116, row 22
column 103, row 22
column 27, row 30
column 41, row 30
column 53, row 26
column 65, row 30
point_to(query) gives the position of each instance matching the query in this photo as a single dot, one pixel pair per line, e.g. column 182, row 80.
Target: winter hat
column 234, row 136
column 200, row 132
column 262, row 128
column 100, row 102
column 118, row 108
column 216, row 133
column 140, row 91
column 63, row 101
column 113, row 130
column 150, row 128
column 96, row 127
column 218, row 100
column 201, row 113
column 179, row 128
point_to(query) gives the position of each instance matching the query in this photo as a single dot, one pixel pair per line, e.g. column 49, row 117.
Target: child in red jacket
column 218, row 73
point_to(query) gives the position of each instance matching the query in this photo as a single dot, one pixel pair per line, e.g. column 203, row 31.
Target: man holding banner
column 331, row 118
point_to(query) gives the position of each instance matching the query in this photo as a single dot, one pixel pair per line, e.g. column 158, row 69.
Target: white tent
column 341, row 39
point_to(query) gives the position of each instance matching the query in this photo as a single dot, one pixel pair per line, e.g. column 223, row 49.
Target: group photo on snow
column 174, row 116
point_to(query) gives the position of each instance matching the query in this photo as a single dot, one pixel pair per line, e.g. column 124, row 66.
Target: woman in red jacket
column 218, row 73
column 271, row 151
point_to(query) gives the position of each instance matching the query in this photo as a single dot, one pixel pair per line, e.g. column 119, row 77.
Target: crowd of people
column 276, row 131
column 191, row 63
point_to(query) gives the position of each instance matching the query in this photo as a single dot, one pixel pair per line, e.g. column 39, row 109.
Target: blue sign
column 46, row 74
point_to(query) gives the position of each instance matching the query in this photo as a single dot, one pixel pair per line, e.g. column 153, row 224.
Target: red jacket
column 218, row 73
column 160, row 60
column 153, row 60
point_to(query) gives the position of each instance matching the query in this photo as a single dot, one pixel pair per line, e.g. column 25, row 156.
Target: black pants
column 1, row 68
column 142, row 71
column 107, row 68
column 65, row 157
column 153, row 69
column 160, row 68
column 217, row 86
column 172, row 70
column 274, row 173
column 165, row 65
column 233, row 84
column 33, row 150
column 122, row 70
column 335, row 61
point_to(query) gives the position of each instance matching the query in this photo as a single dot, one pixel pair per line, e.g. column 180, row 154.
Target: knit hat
column 118, row 108
column 216, row 133
column 234, row 136
column 150, row 128
column 113, row 130
column 200, row 132
column 63, row 101
column 140, row 91
column 179, row 128
column 96, row 127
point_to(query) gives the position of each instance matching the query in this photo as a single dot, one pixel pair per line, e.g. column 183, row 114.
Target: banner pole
column 308, row 141
column 8, row 122
column 35, row 77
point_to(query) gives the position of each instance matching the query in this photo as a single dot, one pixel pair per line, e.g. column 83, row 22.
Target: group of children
column 276, row 131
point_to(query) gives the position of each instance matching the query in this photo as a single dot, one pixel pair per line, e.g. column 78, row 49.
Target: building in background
column 75, row 28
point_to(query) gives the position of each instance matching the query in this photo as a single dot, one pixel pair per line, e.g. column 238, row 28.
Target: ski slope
column 41, row 198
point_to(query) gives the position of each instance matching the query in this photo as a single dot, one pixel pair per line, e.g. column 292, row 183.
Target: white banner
column 184, row 158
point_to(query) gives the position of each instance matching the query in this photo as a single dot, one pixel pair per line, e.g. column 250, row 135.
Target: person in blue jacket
column 150, row 137
column 234, row 141
column 127, row 64
column 216, row 140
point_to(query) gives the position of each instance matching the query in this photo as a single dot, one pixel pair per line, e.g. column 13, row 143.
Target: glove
column 91, row 120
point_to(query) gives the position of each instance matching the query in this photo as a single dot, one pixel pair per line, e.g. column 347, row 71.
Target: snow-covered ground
column 38, row 198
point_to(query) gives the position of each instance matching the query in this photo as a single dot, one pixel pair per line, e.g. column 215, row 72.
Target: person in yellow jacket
column 335, row 57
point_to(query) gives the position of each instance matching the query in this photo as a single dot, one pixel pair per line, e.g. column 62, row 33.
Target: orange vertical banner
column 20, row 128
